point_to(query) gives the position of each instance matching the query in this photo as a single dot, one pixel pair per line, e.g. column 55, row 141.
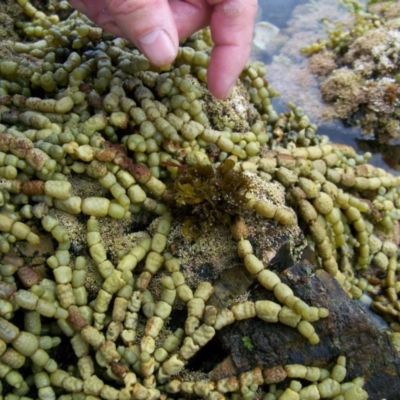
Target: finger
column 190, row 16
column 149, row 24
column 232, row 30
column 98, row 13
column 82, row 6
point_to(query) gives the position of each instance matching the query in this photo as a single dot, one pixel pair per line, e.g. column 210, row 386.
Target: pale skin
column 157, row 26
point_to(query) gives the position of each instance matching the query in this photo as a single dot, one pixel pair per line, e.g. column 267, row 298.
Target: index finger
column 232, row 31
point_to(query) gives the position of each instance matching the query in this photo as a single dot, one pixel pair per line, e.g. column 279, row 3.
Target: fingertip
column 149, row 25
column 232, row 29
column 221, row 92
column 226, row 64
column 159, row 47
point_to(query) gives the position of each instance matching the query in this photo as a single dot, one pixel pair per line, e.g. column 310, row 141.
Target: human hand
column 156, row 26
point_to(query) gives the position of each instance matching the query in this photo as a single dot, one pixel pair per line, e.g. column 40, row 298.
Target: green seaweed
column 247, row 343
column 206, row 195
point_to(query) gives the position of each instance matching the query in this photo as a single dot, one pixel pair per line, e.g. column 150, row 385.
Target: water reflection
column 278, row 12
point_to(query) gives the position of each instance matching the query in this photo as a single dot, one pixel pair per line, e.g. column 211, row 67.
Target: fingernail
column 158, row 47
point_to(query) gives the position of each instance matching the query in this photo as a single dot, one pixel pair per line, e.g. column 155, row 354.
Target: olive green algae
column 95, row 145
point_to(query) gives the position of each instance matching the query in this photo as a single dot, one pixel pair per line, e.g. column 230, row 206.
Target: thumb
column 149, row 24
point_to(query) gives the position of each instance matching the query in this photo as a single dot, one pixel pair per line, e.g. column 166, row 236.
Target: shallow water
column 300, row 23
column 277, row 12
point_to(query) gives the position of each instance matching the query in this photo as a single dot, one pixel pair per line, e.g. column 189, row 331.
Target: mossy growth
column 360, row 85
column 247, row 343
column 207, row 195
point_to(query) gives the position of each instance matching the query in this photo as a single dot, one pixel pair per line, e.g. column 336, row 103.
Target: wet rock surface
column 349, row 330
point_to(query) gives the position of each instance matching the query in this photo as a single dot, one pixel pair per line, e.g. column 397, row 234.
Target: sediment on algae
column 93, row 142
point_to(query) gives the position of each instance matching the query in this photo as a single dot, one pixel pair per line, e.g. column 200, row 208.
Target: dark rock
column 349, row 330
